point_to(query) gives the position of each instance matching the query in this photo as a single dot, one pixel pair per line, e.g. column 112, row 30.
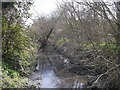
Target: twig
column 100, row 76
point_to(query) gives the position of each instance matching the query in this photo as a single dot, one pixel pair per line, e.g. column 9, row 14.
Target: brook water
column 45, row 77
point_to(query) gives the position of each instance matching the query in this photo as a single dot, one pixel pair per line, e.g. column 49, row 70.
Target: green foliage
column 13, row 82
column 15, row 43
column 87, row 46
column 99, row 46
column 62, row 41
column 104, row 45
column 11, row 78
column 16, row 47
column 108, row 48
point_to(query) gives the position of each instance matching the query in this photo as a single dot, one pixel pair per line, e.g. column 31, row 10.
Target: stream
column 47, row 78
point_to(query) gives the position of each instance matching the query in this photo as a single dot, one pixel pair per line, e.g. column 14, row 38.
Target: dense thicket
column 86, row 34
column 80, row 39
column 16, row 46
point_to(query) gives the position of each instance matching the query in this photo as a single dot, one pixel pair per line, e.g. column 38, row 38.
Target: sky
column 45, row 8
column 42, row 8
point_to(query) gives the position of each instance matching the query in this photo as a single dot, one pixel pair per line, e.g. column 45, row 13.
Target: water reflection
column 46, row 77
column 49, row 79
